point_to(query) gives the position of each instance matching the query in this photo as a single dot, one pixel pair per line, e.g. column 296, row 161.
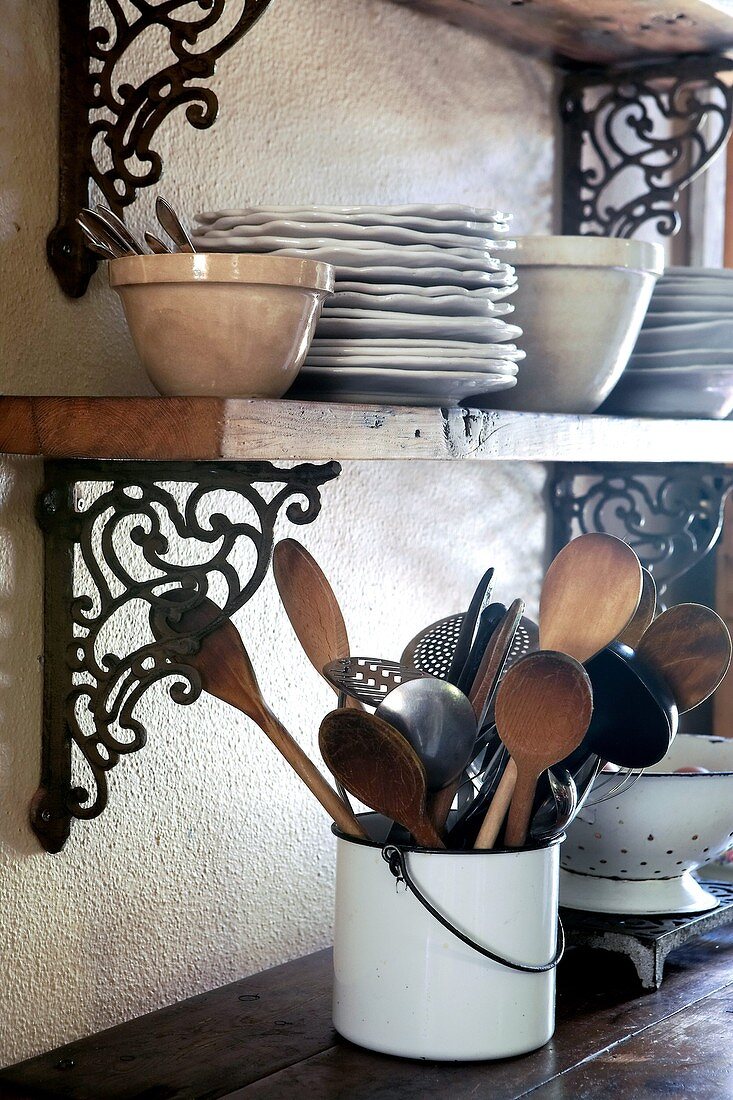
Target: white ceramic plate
column 695, row 393
column 488, row 293
column 358, row 255
column 297, row 231
column 682, row 288
column 385, row 325
column 396, row 387
column 677, row 272
column 414, row 362
column 687, row 358
column 427, row 277
column 696, row 306
column 713, row 335
column 373, row 221
column 419, row 349
column 448, row 305
column 377, row 215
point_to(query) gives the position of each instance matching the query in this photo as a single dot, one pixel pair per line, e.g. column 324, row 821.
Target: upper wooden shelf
column 211, row 428
column 597, row 32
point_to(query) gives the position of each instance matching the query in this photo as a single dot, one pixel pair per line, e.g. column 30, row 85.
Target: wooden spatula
column 311, row 606
column 589, row 595
column 645, row 612
column 689, row 646
column 543, row 709
column 226, row 672
column 377, row 765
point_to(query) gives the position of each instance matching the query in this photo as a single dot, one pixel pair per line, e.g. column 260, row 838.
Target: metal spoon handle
column 119, row 226
column 108, row 236
column 109, row 249
column 170, row 221
column 156, row 245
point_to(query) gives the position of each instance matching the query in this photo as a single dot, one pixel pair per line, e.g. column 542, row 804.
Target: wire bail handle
column 396, row 860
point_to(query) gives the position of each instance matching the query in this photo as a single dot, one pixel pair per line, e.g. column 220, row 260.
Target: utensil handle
column 497, row 810
column 309, row 773
column 424, row 833
column 440, row 802
column 520, row 810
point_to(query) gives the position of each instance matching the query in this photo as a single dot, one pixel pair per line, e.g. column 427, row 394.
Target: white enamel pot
column 636, row 852
column 407, row 984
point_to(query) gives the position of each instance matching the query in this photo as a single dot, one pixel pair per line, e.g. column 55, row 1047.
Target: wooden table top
column 270, row 1037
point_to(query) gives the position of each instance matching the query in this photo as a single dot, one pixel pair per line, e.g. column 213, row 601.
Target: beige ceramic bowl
column 580, row 302
column 221, row 325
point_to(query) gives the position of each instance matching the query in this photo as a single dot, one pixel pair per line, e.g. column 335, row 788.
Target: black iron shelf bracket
column 119, row 537
column 671, row 515
column 633, row 138
column 107, row 125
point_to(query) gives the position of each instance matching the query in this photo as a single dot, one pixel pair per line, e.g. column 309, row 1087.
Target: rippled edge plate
column 401, row 362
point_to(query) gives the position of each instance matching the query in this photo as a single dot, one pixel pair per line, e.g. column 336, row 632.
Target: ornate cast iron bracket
column 107, row 124
column 119, row 538
column 633, row 138
column 672, row 517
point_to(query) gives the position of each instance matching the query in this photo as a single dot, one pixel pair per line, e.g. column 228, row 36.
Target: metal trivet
column 647, row 940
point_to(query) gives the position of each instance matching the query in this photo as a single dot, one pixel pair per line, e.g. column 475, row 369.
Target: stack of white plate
column 419, row 312
column 682, row 365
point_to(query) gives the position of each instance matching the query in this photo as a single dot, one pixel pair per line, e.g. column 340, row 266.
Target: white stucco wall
column 212, row 861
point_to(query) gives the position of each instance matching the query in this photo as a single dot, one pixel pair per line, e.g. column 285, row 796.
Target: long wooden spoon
column 644, row 614
column 226, row 672
column 543, row 709
column 589, row 595
column 377, row 765
column 689, row 646
column 311, row 605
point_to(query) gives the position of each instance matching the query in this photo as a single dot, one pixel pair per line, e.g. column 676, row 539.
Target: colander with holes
column 637, row 853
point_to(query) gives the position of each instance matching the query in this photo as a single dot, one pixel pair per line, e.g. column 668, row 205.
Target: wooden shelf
column 600, row 32
column 209, row 428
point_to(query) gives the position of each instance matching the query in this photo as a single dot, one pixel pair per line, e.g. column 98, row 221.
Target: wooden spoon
column 496, row 812
column 494, row 660
column 226, row 672
column 645, row 612
column 311, row 606
column 543, row 709
column 377, row 765
column 689, row 646
column 589, row 595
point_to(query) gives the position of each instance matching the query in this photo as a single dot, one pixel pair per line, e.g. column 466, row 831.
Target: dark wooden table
column 270, row 1036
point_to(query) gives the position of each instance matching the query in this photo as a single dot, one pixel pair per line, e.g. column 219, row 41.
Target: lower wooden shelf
column 211, row 428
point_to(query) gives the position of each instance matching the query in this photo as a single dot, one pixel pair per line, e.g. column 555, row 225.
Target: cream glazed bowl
column 580, row 302
column 221, row 325
column 635, row 853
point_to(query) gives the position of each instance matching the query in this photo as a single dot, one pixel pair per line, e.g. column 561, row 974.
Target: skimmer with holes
column 368, row 679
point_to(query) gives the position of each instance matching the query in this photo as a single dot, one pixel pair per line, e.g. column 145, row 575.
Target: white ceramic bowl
column 221, row 325
column 580, row 302
column 635, row 853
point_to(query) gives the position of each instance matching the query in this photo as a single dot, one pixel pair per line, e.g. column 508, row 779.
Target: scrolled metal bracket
column 119, row 538
column 107, row 124
column 633, row 138
column 671, row 516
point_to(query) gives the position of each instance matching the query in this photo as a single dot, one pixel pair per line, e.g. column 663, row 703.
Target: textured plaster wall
column 212, row 861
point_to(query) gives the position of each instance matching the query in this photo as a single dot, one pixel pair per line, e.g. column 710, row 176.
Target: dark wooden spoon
column 689, row 646
column 226, row 672
column 644, row 614
column 543, row 708
column 377, row 765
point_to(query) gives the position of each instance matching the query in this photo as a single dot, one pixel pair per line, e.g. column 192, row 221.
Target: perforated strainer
column 431, row 651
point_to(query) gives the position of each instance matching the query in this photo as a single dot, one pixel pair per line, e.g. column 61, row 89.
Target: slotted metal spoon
column 431, row 651
column 368, row 679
